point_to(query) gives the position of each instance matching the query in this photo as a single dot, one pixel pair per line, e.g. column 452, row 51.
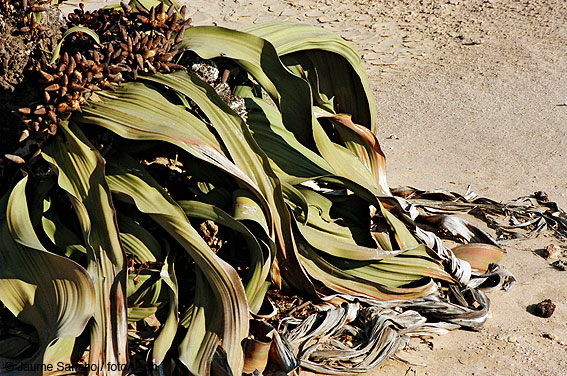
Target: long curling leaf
column 202, row 320
column 128, row 180
column 164, row 340
column 80, row 170
column 231, row 128
column 339, row 279
column 259, row 58
column 52, row 293
column 296, row 162
column 70, row 31
column 364, row 144
column 139, row 112
column 259, row 262
column 248, row 156
column 336, row 64
column 138, row 241
column 333, row 238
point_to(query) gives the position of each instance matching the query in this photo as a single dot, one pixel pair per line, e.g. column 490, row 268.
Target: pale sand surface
column 468, row 92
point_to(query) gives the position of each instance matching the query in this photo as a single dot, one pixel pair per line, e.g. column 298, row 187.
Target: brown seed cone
column 113, row 69
column 143, row 19
column 123, row 32
column 163, row 67
column 71, row 67
column 107, row 63
column 140, row 61
column 52, row 116
column 47, row 77
column 127, row 8
column 151, row 67
column 24, row 135
column 14, row 158
column 116, row 53
column 149, row 53
column 76, row 87
column 52, row 129
column 180, row 35
column 78, row 75
column 62, row 107
column 40, row 111
column 52, row 87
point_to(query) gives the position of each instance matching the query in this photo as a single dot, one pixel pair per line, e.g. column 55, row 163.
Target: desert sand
column 468, row 93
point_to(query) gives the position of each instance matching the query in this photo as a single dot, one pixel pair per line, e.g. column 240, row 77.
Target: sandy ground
column 468, row 92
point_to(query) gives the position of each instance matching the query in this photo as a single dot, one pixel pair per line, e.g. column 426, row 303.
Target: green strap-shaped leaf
column 248, row 156
column 340, row 278
column 296, row 162
column 319, row 99
column 80, row 170
column 344, row 162
column 139, row 112
column 146, row 294
column 335, row 62
column 138, row 241
column 259, row 58
column 147, row 291
column 72, row 30
column 59, row 233
column 260, row 262
column 330, row 237
column 53, row 294
column 164, row 340
column 340, row 245
column 242, row 148
column 364, row 144
column 246, row 207
column 203, row 321
column 128, row 180
column 414, row 264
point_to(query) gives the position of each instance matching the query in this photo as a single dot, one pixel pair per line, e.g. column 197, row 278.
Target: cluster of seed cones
column 132, row 42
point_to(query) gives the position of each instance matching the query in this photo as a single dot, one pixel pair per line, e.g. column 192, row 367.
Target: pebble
column 552, row 252
column 545, row 308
